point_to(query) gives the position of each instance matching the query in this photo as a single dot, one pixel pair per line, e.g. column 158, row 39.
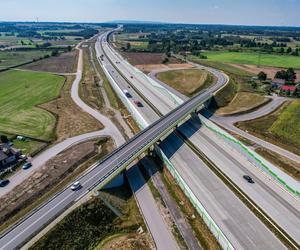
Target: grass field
column 284, row 61
column 94, row 223
column 20, row 93
column 243, row 102
column 12, row 58
column 187, row 81
column 64, row 63
column 221, row 66
column 282, row 127
column 288, row 124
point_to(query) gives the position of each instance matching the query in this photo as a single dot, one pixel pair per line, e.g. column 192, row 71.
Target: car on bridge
column 76, row 186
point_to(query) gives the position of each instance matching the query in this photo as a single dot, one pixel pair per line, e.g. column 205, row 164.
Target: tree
column 262, row 76
column 289, row 50
column 291, row 75
column 128, row 46
column 281, row 74
column 69, row 48
column 4, row 139
column 55, row 53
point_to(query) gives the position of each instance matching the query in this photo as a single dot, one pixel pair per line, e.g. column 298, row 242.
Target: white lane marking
column 16, row 236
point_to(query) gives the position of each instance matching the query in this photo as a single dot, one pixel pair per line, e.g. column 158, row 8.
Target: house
column 288, row 89
column 8, row 156
column 277, row 83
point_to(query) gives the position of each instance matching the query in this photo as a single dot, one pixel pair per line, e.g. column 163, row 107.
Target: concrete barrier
column 282, row 178
column 213, row 227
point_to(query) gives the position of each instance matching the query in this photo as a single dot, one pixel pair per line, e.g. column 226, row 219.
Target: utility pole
column 259, row 58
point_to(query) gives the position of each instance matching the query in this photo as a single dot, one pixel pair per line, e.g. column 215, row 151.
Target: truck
column 126, row 92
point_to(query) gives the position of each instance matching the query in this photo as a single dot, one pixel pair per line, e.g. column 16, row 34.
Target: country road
column 228, row 121
column 109, row 130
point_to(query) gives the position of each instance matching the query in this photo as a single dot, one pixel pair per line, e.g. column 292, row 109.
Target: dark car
column 248, row 178
column 138, row 103
column 4, row 183
column 27, row 165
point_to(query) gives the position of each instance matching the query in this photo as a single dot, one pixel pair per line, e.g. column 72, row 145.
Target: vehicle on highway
column 138, row 103
column 76, row 186
column 4, row 183
column 27, row 165
column 126, row 92
column 248, row 178
column 131, row 77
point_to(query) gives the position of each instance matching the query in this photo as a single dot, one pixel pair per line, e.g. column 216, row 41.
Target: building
column 277, row 83
column 8, row 156
column 288, row 89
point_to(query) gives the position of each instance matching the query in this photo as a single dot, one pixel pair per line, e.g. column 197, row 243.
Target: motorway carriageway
column 109, row 167
column 244, row 231
column 280, row 205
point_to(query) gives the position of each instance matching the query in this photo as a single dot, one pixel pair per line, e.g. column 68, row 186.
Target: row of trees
column 289, row 75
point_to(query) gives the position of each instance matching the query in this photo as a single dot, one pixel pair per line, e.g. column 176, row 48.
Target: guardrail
column 213, row 227
column 253, row 157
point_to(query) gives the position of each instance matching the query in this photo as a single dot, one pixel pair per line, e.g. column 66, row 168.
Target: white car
column 76, row 186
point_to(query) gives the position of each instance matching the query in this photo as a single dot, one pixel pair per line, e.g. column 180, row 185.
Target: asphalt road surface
column 184, row 159
column 267, row 193
column 113, row 163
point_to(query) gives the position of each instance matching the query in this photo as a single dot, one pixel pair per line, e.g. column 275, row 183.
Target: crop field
column 282, row 127
column 284, row 61
column 12, row 58
column 288, row 124
column 187, row 81
column 64, row 63
column 20, row 93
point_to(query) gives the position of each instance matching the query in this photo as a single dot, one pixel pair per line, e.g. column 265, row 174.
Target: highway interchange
column 267, row 197
column 238, row 223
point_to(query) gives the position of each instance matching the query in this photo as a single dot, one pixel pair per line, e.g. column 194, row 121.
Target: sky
column 245, row 12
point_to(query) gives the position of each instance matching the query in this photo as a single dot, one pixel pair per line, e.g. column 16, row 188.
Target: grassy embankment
column 284, row 61
column 243, row 102
column 90, row 225
column 89, row 89
column 282, row 127
column 235, row 91
column 21, row 93
column 187, row 81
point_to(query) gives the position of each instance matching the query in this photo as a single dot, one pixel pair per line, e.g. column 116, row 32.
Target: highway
column 110, row 166
column 109, row 130
column 195, row 171
column 266, row 192
column 227, row 123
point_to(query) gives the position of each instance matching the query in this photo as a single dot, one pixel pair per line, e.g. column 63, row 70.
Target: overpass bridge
column 101, row 173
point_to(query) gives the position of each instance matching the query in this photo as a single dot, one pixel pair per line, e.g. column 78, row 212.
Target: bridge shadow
column 207, row 113
column 176, row 140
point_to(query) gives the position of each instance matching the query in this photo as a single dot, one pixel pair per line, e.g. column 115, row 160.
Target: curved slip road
column 110, row 130
column 33, row 222
column 228, row 121
column 196, row 174
column 266, row 193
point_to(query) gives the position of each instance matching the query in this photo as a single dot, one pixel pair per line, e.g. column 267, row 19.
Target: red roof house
column 288, row 88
